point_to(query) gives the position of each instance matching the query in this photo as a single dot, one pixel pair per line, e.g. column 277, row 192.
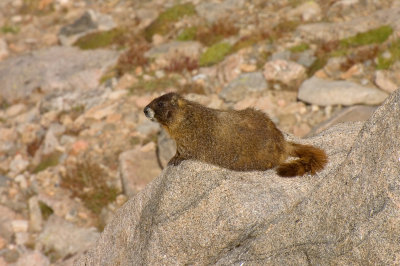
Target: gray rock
column 355, row 113
column 306, row 58
column 65, row 238
column 325, row 92
column 166, row 52
column 53, row 69
column 253, row 83
column 335, row 31
column 386, row 81
column 287, row 72
column 282, row 55
column 89, row 22
column 137, row 167
column 35, row 215
column 307, row 11
column 166, row 148
column 33, row 258
column 6, row 217
column 202, row 214
column 215, row 11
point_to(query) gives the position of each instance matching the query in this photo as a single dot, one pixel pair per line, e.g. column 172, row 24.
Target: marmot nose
column 148, row 112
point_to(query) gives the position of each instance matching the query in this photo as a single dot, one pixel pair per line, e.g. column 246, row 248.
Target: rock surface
column 73, row 69
column 201, row 214
column 324, row 92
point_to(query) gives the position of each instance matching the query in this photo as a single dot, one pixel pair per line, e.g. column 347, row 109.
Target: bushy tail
column 311, row 160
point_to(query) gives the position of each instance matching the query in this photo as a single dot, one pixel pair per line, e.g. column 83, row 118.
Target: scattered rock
column 18, row 165
column 65, row 238
column 357, row 113
column 287, row 72
column 326, row 92
column 307, row 11
column 6, row 217
column 385, row 81
column 19, row 226
column 138, row 167
column 35, row 215
column 246, row 83
column 339, row 30
column 214, row 11
column 3, row 49
column 33, row 258
column 89, row 22
column 165, row 53
column 74, row 70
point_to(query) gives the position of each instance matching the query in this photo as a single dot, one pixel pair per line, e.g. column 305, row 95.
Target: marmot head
column 163, row 109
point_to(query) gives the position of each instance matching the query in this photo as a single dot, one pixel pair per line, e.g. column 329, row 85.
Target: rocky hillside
column 76, row 74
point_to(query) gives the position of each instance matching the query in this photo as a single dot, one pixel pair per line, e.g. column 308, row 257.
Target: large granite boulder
column 202, row 214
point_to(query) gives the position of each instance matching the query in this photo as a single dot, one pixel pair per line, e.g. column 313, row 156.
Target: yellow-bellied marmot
column 239, row 140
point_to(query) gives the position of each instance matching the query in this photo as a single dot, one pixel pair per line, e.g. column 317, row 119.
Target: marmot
column 242, row 140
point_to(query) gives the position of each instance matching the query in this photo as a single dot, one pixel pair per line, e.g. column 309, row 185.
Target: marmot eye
column 160, row 104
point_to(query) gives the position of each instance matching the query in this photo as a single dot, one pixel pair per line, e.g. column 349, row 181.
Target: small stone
column 79, row 147
column 326, row 92
column 3, row 49
column 244, row 84
column 15, row 109
column 3, row 244
column 121, row 199
column 126, row 81
column 301, row 130
column 19, row 226
column 307, row 11
column 90, row 21
column 355, row 70
column 18, row 164
column 137, row 167
column 248, row 67
column 35, row 215
column 147, row 127
column 385, row 82
column 287, row 72
column 21, row 238
column 166, row 148
column 50, row 143
column 350, row 114
column 33, row 258
column 229, row 68
column 164, row 53
column 65, row 238
column 21, row 180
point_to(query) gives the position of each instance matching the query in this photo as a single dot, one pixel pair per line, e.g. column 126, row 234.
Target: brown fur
column 242, row 140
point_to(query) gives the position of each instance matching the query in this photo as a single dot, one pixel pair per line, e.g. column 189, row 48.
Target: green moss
column 45, row 210
column 317, row 65
column 299, row 48
column 385, row 63
column 188, row 34
column 163, row 24
column 88, row 181
column 47, row 161
column 9, row 29
column 99, row 39
column 374, row 36
column 215, row 54
column 156, row 84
